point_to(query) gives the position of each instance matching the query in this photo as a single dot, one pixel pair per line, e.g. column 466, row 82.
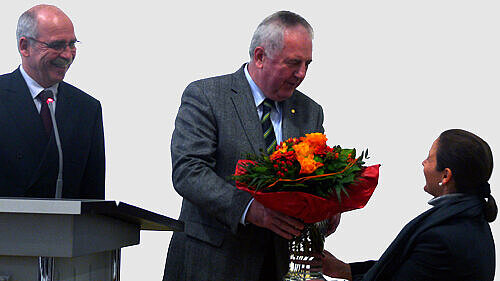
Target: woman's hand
column 327, row 264
column 333, row 223
column 334, row 267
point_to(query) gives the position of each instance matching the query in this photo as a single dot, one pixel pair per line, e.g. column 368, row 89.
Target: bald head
column 29, row 22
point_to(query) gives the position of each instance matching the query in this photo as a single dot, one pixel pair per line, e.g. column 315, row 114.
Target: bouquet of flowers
column 306, row 179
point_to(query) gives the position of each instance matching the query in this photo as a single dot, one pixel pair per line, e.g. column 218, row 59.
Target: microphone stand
column 59, row 183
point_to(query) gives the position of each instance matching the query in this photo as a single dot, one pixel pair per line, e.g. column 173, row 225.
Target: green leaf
column 337, row 190
column 345, row 191
column 260, row 169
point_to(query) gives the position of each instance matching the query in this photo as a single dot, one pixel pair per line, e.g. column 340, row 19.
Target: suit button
column 19, row 155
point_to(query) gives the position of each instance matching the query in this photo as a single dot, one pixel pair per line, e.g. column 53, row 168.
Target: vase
column 311, row 241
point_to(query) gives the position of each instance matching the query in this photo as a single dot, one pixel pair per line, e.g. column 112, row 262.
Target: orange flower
column 281, row 149
column 305, row 156
column 316, row 139
column 303, row 150
column 308, row 165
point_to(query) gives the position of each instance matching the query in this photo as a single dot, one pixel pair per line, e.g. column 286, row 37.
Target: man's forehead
column 56, row 26
column 296, row 31
column 297, row 49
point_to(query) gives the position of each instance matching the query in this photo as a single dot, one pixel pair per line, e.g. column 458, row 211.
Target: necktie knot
column 268, row 103
column 44, row 95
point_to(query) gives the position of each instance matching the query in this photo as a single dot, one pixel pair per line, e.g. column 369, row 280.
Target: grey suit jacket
column 217, row 124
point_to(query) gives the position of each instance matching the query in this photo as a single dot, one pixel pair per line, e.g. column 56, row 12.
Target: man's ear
column 259, row 56
column 447, row 176
column 24, row 46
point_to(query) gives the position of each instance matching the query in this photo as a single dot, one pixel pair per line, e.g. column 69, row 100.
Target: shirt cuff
column 242, row 220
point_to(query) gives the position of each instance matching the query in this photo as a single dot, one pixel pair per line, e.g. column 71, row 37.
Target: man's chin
column 59, row 73
column 285, row 95
column 54, row 79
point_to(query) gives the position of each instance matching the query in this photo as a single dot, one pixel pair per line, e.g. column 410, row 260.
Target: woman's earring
column 440, row 184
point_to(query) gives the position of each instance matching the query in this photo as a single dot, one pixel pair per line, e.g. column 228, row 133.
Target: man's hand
column 283, row 225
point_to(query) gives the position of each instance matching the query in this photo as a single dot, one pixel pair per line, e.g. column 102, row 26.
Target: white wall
column 391, row 75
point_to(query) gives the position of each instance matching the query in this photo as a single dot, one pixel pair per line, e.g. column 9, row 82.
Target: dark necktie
column 267, row 125
column 44, row 111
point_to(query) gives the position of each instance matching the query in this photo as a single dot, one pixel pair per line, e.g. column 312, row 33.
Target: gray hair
column 269, row 33
column 27, row 25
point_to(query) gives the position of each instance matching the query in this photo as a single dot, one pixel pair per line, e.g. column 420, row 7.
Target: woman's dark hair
column 471, row 162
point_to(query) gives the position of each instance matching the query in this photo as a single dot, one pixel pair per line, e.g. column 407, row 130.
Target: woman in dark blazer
column 452, row 240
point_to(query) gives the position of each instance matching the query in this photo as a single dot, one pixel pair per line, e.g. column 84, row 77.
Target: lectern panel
column 96, row 266
column 63, row 235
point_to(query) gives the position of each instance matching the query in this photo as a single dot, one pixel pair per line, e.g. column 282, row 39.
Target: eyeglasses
column 58, row 45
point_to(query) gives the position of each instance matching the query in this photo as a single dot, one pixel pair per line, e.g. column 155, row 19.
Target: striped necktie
column 267, row 125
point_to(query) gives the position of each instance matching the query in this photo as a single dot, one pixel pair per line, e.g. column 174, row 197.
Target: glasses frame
column 57, row 46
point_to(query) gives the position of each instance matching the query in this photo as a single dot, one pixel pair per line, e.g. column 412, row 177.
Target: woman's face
column 432, row 176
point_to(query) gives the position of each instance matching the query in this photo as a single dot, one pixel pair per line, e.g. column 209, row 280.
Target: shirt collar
column 438, row 200
column 34, row 87
column 258, row 95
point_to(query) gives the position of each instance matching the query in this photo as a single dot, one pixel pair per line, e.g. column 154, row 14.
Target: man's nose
column 301, row 72
column 68, row 52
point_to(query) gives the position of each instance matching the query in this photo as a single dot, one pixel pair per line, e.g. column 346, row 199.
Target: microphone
column 59, row 183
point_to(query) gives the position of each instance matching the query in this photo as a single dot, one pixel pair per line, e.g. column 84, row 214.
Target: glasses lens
column 58, row 46
column 73, row 44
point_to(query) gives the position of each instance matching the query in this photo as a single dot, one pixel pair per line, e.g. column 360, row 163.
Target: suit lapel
column 289, row 110
column 65, row 111
column 246, row 110
column 18, row 101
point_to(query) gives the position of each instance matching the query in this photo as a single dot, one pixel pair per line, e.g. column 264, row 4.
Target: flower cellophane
column 306, row 179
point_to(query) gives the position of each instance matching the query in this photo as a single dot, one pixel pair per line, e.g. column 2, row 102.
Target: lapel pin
column 292, row 110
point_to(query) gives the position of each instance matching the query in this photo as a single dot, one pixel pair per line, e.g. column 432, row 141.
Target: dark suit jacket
column 451, row 241
column 29, row 159
column 217, row 124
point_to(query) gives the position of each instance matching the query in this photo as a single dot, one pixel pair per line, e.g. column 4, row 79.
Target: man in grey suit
column 228, row 235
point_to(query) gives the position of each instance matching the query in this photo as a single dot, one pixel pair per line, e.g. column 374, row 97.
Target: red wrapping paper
column 310, row 208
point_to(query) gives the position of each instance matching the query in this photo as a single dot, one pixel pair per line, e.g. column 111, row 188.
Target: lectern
column 70, row 240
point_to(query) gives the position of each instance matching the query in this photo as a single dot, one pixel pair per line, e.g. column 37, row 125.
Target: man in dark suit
column 28, row 152
column 228, row 235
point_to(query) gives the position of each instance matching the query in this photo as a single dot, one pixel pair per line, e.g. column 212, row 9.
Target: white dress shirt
column 276, row 119
column 35, row 89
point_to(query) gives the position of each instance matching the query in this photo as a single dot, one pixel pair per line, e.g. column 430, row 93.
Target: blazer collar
column 290, row 108
column 246, row 110
column 34, row 87
column 64, row 105
column 17, row 99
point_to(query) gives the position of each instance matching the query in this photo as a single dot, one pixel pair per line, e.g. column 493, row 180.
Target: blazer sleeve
column 194, row 159
column 92, row 186
column 429, row 260
column 358, row 269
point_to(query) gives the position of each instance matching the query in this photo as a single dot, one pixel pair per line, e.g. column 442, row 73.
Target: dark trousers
column 268, row 272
